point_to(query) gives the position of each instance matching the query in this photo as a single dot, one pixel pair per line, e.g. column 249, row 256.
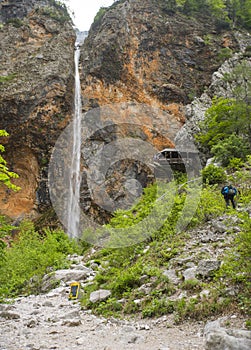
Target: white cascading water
column 73, row 209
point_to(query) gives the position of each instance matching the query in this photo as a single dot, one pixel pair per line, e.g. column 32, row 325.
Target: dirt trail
column 51, row 321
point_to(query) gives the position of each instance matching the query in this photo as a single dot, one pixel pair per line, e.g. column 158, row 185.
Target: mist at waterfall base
column 83, row 12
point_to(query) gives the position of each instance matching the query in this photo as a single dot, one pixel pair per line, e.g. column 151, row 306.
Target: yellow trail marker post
column 74, row 290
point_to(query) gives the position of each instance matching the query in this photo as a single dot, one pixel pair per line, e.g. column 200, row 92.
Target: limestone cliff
column 137, row 52
column 36, row 89
column 140, row 52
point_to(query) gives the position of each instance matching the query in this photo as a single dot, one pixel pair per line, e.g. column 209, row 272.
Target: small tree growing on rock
column 5, row 174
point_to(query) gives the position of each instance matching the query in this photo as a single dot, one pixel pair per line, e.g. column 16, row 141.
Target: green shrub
column 213, row 174
column 30, row 256
column 58, row 13
column 16, row 22
column 5, row 175
column 191, row 285
column 100, row 14
column 235, row 164
column 248, row 324
column 158, row 307
column 126, row 280
column 211, row 205
column 196, row 309
column 247, row 52
column 225, row 53
column 168, row 7
column 231, row 147
column 108, row 308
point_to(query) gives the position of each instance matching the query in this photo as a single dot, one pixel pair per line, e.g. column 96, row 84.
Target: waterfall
column 73, row 209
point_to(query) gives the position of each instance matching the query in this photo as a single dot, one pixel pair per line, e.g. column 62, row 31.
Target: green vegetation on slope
column 30, row 257
column 226, row 130
column 124, row 270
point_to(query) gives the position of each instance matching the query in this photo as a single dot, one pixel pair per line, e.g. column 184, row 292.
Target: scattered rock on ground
column 99, row 295
column 218, row 338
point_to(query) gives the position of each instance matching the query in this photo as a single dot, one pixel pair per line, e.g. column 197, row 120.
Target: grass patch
column 7, row 78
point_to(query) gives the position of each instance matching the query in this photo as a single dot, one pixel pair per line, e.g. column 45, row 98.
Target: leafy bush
column 5, row 174
column 108, row 308
column 213, row 174
column 247, row 52
column 59, row 12
column 30, row 256
column 225, row 53
column 6, row 78
column 232, row 147
column 16, row 22
column 126, row 280
column 235, row 164
column 225, row 131
column 158, row 307
column 168, row 7
column 194, row 308
column 100, row 14
column 192, row 285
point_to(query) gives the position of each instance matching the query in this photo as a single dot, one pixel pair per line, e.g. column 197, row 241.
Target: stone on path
column 99, row 295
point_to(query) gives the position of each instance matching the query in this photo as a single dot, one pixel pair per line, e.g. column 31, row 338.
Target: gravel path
column 51, row 321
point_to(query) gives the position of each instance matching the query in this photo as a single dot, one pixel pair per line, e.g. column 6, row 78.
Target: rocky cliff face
column 36, row 88
column 137, row 53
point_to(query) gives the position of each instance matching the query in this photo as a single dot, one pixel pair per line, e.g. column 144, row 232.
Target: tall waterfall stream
column 73, row 209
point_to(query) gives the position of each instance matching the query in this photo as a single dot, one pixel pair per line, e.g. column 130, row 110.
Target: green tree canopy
column 225, row 117
column 226, row 130
column 5, row 174
column 232, row 147
column 237, row 12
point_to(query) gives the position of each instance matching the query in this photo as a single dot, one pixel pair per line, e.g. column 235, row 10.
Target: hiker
column 229, row 192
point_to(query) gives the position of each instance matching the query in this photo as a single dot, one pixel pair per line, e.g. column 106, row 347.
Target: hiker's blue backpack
column 225, row 190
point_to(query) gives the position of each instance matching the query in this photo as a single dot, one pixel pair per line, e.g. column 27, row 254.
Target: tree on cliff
column 237, row 12
column 5, row 174
column 226, row 130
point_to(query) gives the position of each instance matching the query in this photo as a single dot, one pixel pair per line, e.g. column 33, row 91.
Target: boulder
column 51, row 280
column 206, row 268
column 189, row 274
column 218, row 338
column 172, row 276
column 99, row 295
